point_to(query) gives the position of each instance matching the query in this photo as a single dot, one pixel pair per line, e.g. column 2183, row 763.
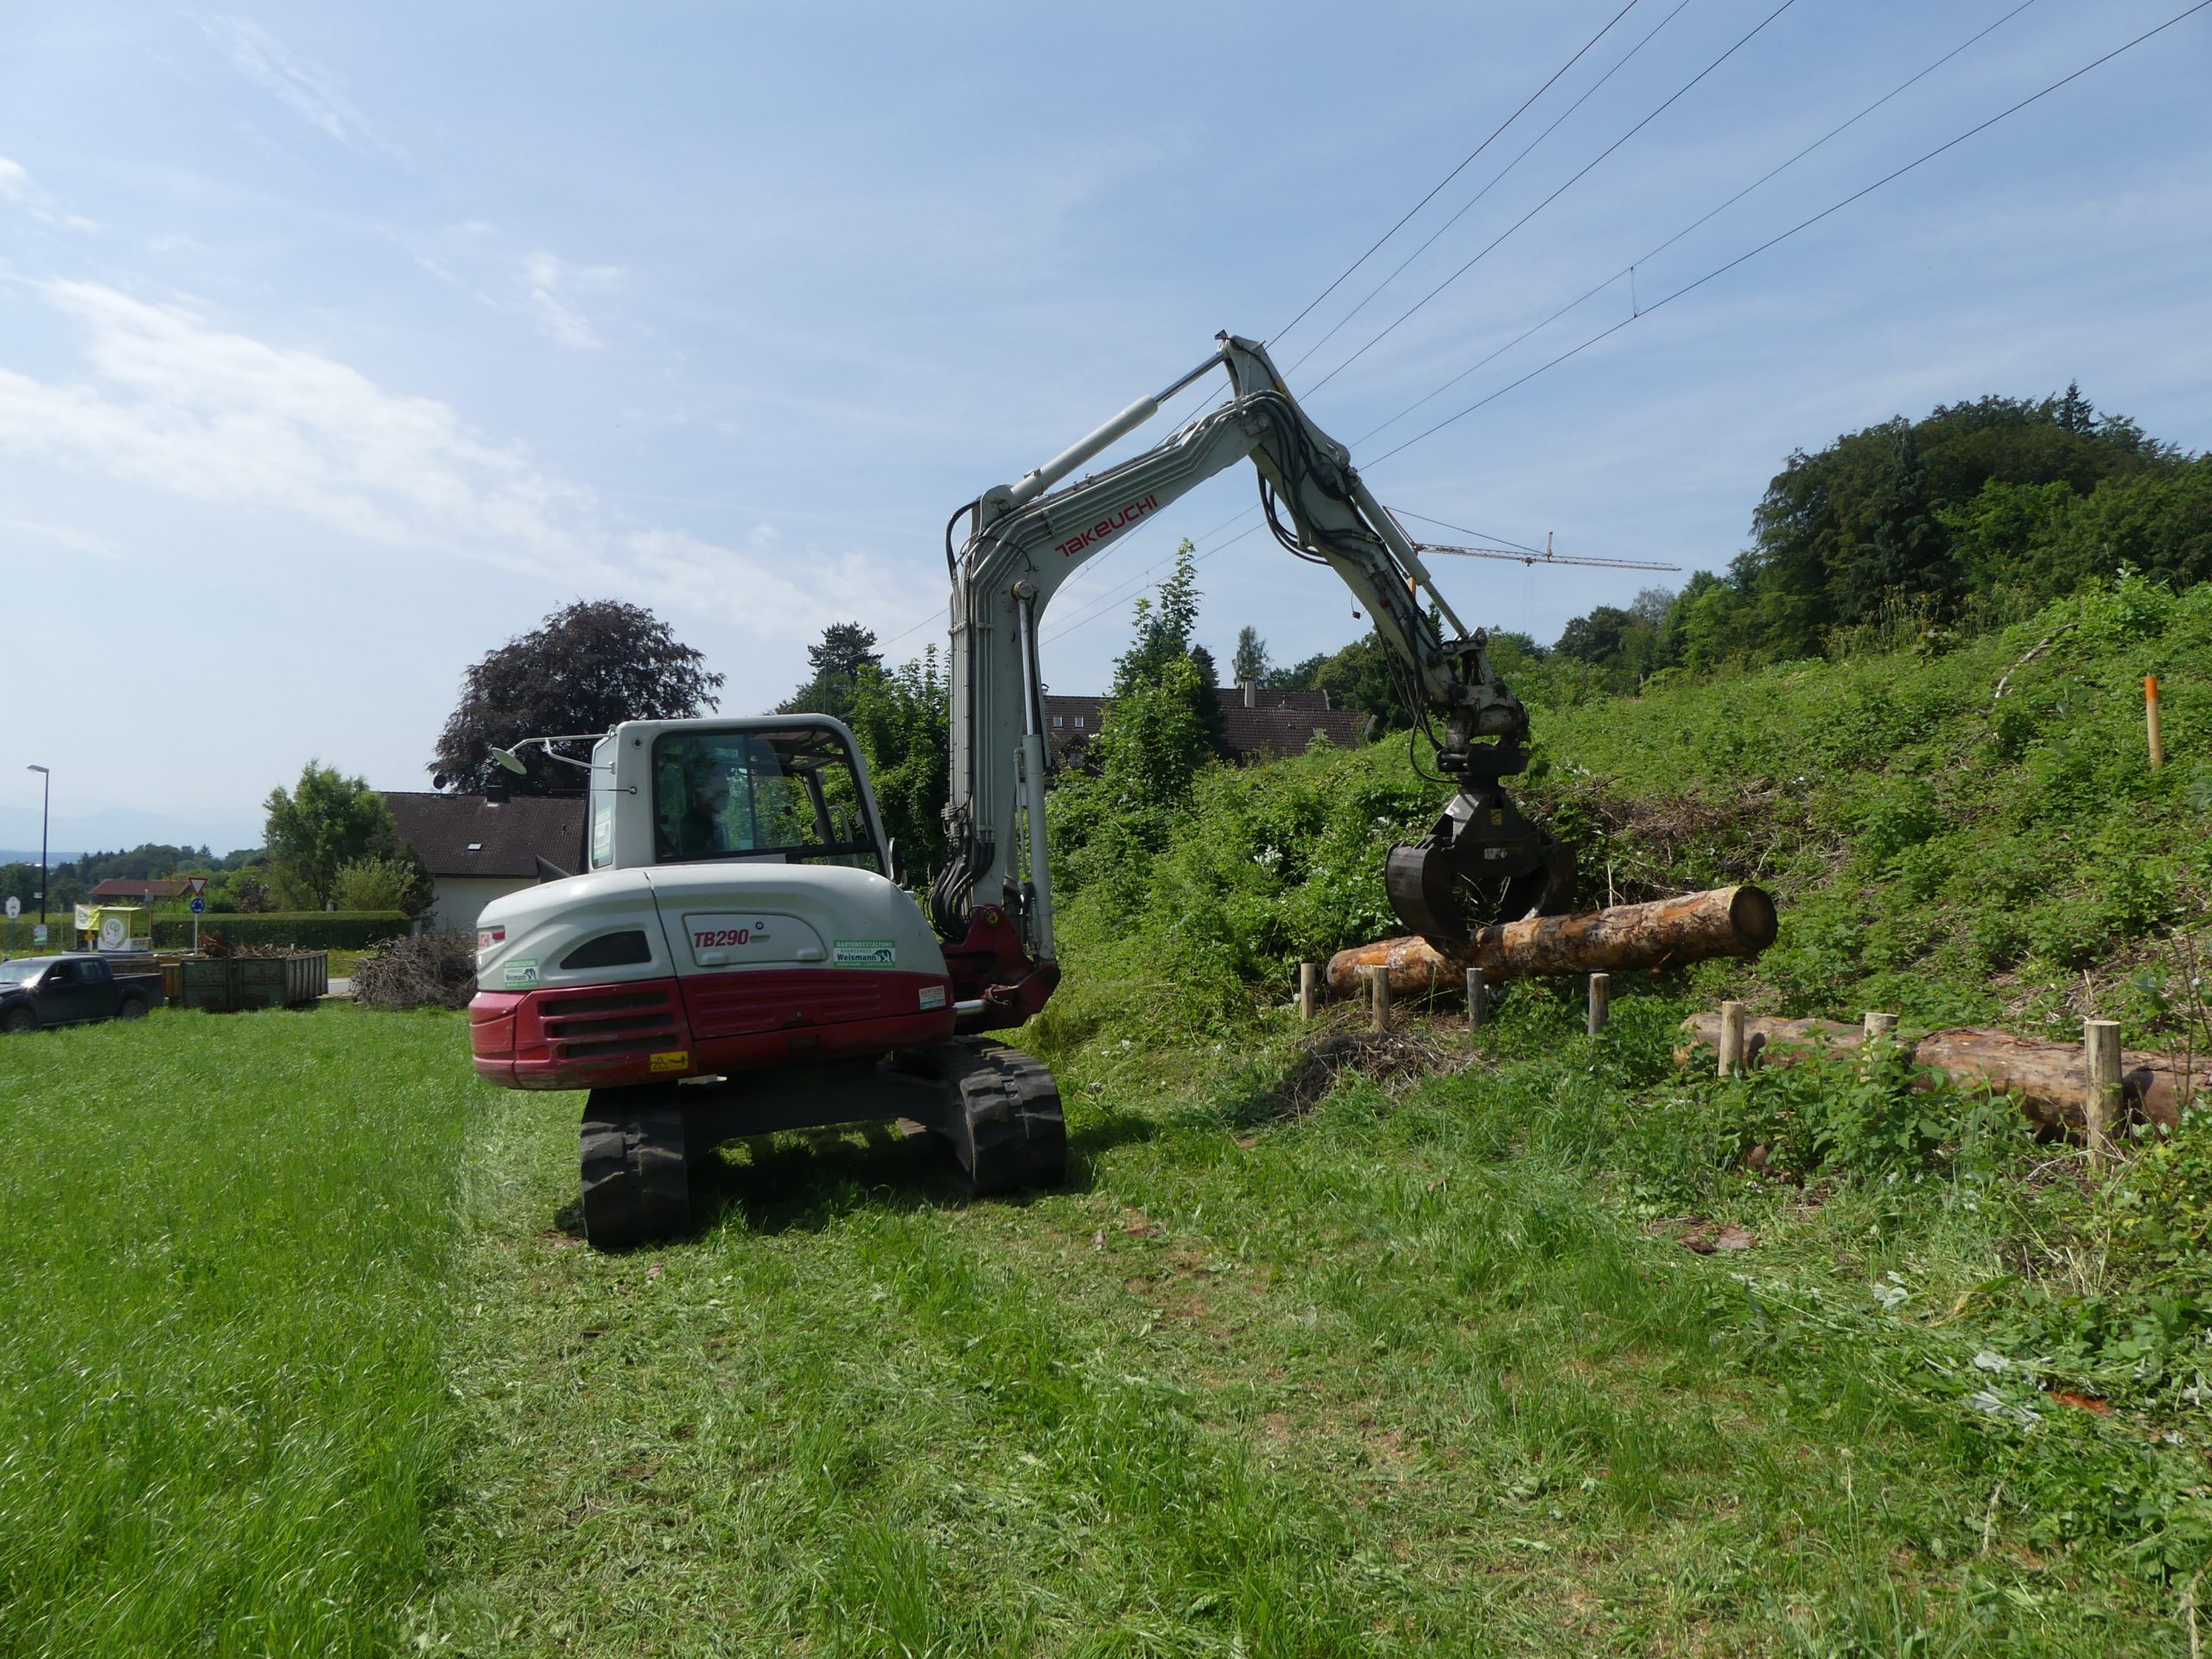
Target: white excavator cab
column 736, row 958
column 787, row 789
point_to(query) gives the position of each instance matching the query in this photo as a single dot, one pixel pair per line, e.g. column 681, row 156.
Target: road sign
column 195, row 885
column 38, row 934
column 196, row 906
column 15, row 907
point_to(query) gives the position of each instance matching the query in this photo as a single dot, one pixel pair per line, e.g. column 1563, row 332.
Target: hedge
column 310, row 930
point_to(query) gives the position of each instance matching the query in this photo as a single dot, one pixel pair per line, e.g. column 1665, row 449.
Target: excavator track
column 997, row 1108
column 1003, row 1119
column 637, row 1180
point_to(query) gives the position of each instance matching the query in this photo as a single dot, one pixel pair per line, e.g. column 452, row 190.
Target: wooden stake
column 1378, row 983
column 1309, row 988
column 2150, row 721
column 2101, row 1051
column 1880, row 1027
column 1477, row 999
column 1601, row 997
column 1732, row 1039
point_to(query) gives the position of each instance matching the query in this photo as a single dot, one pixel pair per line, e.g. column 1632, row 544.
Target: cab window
column 792, row 795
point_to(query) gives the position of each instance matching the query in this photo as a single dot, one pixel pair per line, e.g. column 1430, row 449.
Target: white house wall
column 460, row 899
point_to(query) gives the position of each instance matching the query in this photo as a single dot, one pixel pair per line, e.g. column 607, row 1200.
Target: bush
column 307, row 929
column 398, row 883
column 420, row 971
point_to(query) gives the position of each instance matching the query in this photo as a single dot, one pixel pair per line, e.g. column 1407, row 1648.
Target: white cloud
column 175, row 402
column 15, row 185
column 546, row 276
column 308, row 89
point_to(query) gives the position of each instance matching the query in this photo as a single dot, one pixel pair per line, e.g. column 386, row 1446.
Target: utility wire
column 1456, row 171
column 1680, row 93
column 1804, row 224
column 1629, row 270
column 1495, row 179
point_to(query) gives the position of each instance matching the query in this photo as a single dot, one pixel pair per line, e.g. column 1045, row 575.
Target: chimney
column 495, row 794
column 1251, row 690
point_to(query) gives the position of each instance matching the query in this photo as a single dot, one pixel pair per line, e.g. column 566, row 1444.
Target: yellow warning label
column 674, row 1060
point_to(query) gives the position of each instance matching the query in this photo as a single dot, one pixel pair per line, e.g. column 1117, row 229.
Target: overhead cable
column 1495, row 179
column 1456, row 171
column 1679, row 93
column 1804, row 224
column 1651, row 253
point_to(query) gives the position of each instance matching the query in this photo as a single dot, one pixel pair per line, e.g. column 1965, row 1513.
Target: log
column 2050, row 1078
column 1726, row 922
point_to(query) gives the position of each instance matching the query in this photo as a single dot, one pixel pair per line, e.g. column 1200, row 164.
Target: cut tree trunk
column 1726, row 922
column 2051, row 1079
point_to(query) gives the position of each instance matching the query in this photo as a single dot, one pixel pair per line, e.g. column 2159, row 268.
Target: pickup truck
column 37, row 991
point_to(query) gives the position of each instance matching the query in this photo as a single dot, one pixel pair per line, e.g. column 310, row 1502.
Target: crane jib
column 1112, row 524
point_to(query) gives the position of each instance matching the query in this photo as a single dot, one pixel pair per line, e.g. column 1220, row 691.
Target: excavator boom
column 1482, row 862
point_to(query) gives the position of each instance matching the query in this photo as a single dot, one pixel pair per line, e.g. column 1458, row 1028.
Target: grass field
column 303, row 1358
column 225, row 1275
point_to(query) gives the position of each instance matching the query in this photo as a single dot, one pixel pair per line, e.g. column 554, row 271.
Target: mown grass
column 224, row 1290
column 1418, row 1370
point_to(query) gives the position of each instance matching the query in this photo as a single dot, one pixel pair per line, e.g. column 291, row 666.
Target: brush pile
column 418, row 970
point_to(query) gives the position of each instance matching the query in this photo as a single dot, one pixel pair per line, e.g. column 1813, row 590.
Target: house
column 127, row 890
column 1262, row 725
column 1255, row 724
column 478, row 847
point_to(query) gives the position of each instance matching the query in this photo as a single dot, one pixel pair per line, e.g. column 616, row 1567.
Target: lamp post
column 44, row 804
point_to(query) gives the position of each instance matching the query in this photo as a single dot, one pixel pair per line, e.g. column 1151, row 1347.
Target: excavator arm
column 1482, row 862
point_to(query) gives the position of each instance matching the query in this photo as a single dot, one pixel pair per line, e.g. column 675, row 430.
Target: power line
column 1651, row 253
column 1456, row 171
column 1679, row 91
column 1495, row 179
column 1805, row 224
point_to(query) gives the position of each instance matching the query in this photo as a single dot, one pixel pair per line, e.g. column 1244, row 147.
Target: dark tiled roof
column 1278, row 723
column 1267, row 733
column 466, row 835
column 122, row 886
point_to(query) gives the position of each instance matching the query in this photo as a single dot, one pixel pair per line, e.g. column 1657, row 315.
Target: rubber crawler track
column 1000, row 1114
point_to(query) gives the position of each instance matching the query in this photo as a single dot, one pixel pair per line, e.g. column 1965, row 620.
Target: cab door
column 68, row 991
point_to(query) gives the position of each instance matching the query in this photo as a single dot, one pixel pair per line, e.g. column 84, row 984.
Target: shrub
column 308, row 930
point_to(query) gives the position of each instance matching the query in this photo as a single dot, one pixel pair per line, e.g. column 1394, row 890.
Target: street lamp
column 43, row 807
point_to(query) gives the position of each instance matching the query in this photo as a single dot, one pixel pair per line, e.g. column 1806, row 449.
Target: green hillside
column 1969, row 833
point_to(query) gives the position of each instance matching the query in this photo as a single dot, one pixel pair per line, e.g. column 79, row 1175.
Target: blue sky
column 338, row 345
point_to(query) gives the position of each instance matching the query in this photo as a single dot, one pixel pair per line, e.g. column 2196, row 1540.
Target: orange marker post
column 2150, row 721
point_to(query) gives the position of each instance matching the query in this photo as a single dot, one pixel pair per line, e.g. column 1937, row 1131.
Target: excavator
column 740, row 955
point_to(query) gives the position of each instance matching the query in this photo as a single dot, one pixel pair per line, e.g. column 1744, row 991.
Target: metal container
column 236, row 983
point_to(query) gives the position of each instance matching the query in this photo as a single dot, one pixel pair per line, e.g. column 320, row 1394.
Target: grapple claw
column 1481, row 864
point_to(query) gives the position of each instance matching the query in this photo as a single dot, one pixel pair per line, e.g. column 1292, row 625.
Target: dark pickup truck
column 37, row 991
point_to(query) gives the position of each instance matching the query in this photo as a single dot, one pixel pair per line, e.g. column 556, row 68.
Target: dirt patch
column 1388, row 1057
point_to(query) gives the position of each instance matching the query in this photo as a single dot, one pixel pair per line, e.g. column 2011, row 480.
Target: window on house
column 1056, row 722
column 1078, row 722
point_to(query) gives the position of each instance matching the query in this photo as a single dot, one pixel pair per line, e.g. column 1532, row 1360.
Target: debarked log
column 2051, row 1079
column 1725, row 922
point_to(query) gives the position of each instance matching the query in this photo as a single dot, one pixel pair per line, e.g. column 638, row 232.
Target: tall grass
column 224, row 1250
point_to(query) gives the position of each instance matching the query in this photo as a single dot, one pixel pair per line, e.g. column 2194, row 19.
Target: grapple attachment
column 1483, row 863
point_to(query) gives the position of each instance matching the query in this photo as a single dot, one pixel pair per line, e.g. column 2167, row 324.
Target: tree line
column 1906, row 531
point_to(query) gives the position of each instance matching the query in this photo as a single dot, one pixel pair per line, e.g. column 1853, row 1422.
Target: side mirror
column 896, row 860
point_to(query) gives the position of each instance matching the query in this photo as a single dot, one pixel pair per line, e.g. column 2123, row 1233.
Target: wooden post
column 1309, row 988
column 2150, row 721
column 1880, row 1027
column 1601, row 997
column 1378, row 991
column 2100, row 1053
column 1477, row 999
column 1732, row 1039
